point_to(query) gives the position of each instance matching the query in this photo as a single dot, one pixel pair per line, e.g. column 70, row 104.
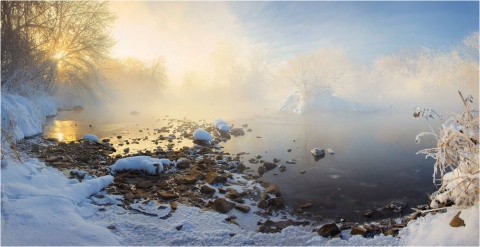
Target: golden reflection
column 60, row 137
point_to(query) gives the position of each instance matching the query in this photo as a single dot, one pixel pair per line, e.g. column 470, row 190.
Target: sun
column 59, row 55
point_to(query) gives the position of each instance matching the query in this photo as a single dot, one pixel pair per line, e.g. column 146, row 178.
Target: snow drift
column 294, row 102
column 143, row 163
column 22, row 117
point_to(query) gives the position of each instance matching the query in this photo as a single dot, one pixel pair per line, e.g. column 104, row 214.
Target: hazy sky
column 185, row 33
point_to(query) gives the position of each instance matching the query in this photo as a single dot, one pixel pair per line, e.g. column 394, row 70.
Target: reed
column 456, row 155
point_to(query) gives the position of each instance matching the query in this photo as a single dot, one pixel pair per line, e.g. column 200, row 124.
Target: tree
column 51, row 42
column 321, row 72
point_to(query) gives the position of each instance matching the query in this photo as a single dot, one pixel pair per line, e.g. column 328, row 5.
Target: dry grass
column 456, row 156
column 9, row 147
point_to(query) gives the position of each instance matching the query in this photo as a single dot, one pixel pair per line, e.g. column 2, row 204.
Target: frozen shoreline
column 35, row 196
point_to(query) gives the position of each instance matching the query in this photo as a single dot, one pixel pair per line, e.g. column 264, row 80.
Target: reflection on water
column 374, row 161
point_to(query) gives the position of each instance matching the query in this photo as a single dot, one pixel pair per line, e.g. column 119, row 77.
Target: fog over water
column 229, row 61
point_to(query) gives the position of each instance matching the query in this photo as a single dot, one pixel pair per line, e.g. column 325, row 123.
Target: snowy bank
column 40, row 206
column 22, row 117
column 294, row 102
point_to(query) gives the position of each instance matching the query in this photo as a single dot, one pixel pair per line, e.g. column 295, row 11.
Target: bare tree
column 49, row 42
column 321, row 72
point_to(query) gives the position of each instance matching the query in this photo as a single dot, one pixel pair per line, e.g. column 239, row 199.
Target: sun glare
column 59, row 55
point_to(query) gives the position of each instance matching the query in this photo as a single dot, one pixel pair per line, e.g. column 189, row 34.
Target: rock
column 207, row 189
column 269, row 166
column 328, row 230
column 457, row 221
column 272, row 189
column 183, row 163
column 111, row 227
column 277, row 202
column 395, row 206
column 242, row 208
column 359, row 230
column 270, row 226
column 186, row 179
column 302, row 171
column 292, row 161
column 264, row 182
column 261, row 170
column 263, row 204
column 289, row 150
column 129, row 196
column 317, row 152
column 282, row 168
column 307, row 205
column 367, row 213
column 167, row 195
column 237, row 132
column 330, row 151
column 214, row 178
column 174, row 205
column 391, row 232
column 222, row 205
column 275, row 160
column 179, row 227
column 145, row 184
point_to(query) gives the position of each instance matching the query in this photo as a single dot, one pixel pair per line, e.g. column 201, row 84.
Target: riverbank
column 69, row 209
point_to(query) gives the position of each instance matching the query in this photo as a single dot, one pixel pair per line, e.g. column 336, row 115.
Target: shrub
column 456, row 155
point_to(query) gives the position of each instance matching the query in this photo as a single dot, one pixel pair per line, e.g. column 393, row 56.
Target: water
column 374, row 161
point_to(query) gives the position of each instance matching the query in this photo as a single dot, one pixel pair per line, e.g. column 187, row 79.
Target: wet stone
column 328, row 230
column 207, row 189
column 242, row 208
column 222, row 205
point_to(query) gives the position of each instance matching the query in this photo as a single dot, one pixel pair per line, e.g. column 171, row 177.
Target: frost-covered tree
column 322, row 72
column 45, row 43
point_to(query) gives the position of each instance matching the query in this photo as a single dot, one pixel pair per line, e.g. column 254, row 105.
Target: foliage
column 45, row 43
column 456, row 155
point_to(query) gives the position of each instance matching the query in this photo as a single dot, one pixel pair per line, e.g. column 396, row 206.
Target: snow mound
column 202, row 135
column 143, row 163
column 38, row 200
column 221, row 125
column 90, row 137
column 294, row 102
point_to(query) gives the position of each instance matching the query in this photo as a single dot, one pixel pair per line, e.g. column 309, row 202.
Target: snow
column 144, row 163
column 295, row 103
column 435, row 229
column 221, row 125
column 22, row 117
column 90, row 137
column 202, row 135
column 41, row 206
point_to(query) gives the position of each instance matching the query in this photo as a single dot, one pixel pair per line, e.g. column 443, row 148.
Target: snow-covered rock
column 202, row 135
column 330, row 151
column 221, row 125
column 143, row 163
column 317, row 152
column 90, row 137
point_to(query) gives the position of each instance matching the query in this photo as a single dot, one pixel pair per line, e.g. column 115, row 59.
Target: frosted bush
column 456, row 155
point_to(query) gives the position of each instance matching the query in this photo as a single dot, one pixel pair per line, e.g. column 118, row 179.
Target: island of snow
column 144, row 163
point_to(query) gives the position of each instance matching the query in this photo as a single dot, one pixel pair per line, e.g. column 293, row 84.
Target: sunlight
column 60, row 137
column 59, row 55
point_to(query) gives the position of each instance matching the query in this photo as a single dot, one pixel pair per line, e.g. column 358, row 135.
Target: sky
column 186, row 33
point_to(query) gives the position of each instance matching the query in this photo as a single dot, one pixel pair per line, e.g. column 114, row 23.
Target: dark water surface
column 374, row 161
